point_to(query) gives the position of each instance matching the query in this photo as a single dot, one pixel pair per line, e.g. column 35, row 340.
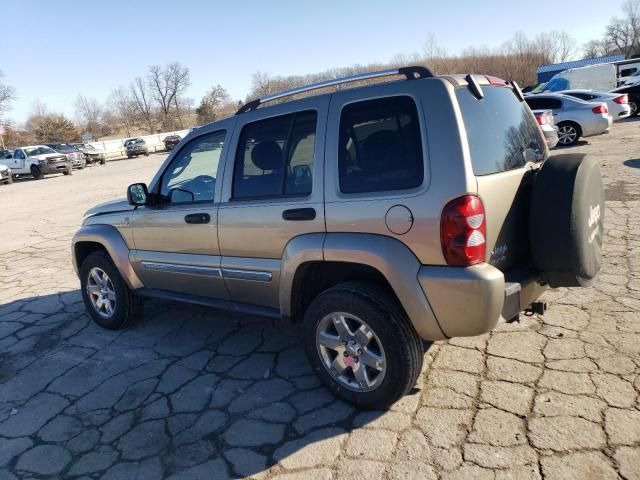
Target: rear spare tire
column 567, row 220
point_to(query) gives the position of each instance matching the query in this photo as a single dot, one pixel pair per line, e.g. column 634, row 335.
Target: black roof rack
column 410, row 73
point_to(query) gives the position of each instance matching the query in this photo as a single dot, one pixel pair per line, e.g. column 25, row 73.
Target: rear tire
column 633, row 105
column 377, row 331
column 36, row 172
column 124, row 305
column 568, row 133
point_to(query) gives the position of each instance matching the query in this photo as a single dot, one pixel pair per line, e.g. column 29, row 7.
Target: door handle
column 197, row 218
column 297, row 214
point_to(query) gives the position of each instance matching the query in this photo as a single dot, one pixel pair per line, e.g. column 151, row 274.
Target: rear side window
column 502, row 133
column 380, row 146
column 275, row 156
column 543, row 103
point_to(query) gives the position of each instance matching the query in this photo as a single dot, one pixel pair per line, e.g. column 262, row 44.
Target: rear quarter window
column 501, row 131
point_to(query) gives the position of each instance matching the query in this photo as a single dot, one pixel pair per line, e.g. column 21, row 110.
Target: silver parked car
column 617, row 103
column 575, row 118
column 73, row 154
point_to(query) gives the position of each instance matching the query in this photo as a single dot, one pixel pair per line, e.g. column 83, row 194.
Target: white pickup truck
column 37, row 161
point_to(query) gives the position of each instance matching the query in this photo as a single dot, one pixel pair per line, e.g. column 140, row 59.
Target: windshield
column 38, row 151
column 88, row 147
column 63, row 147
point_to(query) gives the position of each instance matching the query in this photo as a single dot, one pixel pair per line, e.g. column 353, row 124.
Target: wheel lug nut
column 345, row 354
column 344, row 342
column 359, row 351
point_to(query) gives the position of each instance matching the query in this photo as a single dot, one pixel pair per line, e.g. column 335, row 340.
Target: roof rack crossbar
column 411, row 72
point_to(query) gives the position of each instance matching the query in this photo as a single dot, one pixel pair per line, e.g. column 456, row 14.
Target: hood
column 109, row 207
column 47, row 156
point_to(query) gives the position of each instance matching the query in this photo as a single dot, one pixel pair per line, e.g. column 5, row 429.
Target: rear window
column 502, row 133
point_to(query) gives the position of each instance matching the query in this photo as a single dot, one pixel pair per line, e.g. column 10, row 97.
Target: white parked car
column 574, row 118
column 37, row 161
column 617, row 103
column 6, row 175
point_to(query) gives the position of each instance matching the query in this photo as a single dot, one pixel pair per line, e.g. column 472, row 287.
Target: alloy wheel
column 567, row 134
column 101, row 292
column 351, row 351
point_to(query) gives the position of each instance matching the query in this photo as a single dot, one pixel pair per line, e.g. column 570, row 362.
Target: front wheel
column 36, row 172
column 568, row 133
column 362, row 345
column 108, row 299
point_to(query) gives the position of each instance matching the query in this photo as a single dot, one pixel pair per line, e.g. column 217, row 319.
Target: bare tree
column 598, row 48
column 141, row 98
column 211, row 104
column 432, row 49
column 89, row 114
column 167, row 84
column 121, row 110
column 624, row 33
column 7, row 95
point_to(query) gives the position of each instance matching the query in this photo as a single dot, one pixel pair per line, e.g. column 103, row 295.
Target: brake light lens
column 495, row 81
column 602, row 108
column 542, row 119
column 622, row 99
column 463, row 231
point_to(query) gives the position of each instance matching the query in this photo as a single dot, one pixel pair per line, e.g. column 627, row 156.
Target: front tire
column 362, row 345
column 108, row 299
column 36, row 172
column 568, row 133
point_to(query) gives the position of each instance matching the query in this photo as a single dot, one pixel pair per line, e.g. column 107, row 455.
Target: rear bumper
column 468, row 301
column 550, row 136
column 597, row 126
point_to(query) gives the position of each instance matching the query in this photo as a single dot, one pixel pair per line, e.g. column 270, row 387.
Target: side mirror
column 137, row 194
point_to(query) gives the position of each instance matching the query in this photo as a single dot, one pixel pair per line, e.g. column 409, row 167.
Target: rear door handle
column 197, row 218
column 298, row 214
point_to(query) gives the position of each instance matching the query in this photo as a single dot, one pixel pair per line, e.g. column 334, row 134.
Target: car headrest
column 267, row 155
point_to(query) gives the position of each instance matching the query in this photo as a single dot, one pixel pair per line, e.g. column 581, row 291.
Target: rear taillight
column 622, row 99
column 463, row 231
column 602, row 108
column 542, row 119
column 495, row 81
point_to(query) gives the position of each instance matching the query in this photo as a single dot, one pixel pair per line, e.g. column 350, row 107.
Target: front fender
column 109, row 237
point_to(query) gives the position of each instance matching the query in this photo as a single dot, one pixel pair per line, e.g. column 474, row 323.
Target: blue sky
column 53, row 50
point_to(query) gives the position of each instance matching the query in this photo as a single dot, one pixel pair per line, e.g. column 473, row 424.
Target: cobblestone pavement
column 192, row 393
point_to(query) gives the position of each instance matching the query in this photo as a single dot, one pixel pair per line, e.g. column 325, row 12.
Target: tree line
column 157, row 101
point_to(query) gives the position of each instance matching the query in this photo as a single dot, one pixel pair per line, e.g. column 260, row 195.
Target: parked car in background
column 37, row 161
column 633, row 91
column 548, row 126
column 574, row 118
column 6, row 175
column 91, row 153
column 617, row 103
column 171, row 141
column 630, row 80
column 72, row 153
column 137, row 146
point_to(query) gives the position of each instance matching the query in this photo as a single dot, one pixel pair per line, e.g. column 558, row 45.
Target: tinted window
column 380, row 146
column 275, row 156
column 191, row 176
column 19, row 154
column 501, row 131
column 543, row 103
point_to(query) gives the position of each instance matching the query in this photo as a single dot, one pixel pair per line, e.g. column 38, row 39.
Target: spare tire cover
column 566, row 222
